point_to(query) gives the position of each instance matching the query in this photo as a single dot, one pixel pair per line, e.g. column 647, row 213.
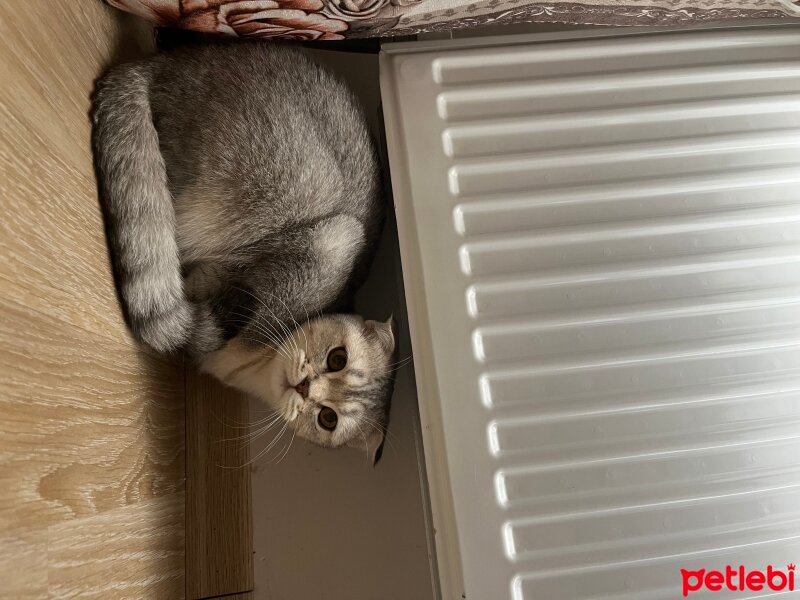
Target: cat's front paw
column 166, row 329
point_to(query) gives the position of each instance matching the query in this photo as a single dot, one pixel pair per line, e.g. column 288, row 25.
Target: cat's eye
column 337, row 359
column 327, row 418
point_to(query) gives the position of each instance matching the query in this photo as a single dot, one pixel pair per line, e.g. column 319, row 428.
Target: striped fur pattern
column 359, row 393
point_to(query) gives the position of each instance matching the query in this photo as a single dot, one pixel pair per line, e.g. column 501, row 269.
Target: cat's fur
column 242, row 195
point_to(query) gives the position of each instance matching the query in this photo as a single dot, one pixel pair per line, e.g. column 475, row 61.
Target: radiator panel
column 601, row 241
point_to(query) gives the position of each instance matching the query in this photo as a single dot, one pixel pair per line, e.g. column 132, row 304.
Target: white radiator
column 601, row 251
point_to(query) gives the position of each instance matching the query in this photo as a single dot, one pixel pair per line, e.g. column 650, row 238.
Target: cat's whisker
column 266, row 449
column 289, row 312
column 289, row 334
column 247, row 437
column 233, row 424
column 252, row 320
column 260, row 328
column 259, row 343
column 278, row 437
column 394, row 367
column 402, row 362
column 279, row 322
column 308, row 320
column 372, row 422
column 366, row 443
column 243, row 440
column 387, row 435
column 258, row 434
column 252, row 435
column 264, row 327
column 288, row 447
column 277, row 348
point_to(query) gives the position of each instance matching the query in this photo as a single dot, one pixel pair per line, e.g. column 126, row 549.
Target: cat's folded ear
column 384, row 332
column 373, row 444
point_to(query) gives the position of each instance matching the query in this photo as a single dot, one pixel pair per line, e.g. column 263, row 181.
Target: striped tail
column 140, row 217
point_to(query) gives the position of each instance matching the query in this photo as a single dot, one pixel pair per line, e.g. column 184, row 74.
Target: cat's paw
column 166, row 329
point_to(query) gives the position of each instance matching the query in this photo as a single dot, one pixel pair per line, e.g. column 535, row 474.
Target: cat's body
column 242, row 195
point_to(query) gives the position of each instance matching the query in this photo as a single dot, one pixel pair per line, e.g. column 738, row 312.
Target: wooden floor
column 91, row 430
column 94, row 496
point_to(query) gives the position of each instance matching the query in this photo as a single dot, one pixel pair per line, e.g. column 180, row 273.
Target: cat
column 243, row 202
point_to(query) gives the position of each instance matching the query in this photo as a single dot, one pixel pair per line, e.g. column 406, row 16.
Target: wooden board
column 131, row 552
column 219, row 544
column 91, row 429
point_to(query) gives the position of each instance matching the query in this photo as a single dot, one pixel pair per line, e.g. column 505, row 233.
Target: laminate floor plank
column 92, row 467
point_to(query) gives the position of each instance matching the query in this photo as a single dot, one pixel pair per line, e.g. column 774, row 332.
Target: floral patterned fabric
column 339, row 19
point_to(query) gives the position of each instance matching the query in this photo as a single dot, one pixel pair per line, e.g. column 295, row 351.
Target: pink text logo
column 738, row 580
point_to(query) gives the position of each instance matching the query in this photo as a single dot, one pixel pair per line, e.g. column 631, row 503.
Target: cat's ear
column 375, row 442
column 373, row 445
column 384, row 332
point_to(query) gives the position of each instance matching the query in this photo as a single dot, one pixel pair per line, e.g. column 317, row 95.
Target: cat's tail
column 140, row 217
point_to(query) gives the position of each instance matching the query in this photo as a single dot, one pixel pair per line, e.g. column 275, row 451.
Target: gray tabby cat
column 242, row 194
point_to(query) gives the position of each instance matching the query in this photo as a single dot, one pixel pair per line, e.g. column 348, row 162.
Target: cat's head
column 332, row 380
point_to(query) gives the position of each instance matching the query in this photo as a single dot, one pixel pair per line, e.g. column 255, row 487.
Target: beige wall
column 326, row 523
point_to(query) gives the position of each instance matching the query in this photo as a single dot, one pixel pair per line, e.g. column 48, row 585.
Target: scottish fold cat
column 243, row 203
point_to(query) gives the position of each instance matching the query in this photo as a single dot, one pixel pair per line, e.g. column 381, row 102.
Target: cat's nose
column 302, row 388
